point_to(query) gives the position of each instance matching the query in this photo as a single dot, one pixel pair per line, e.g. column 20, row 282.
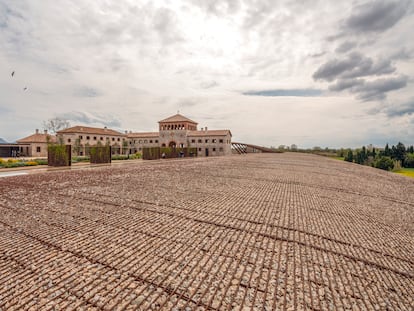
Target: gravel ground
column 256, row 232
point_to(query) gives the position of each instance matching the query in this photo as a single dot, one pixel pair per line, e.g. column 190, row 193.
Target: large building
column 179, row 131
column 176, row 131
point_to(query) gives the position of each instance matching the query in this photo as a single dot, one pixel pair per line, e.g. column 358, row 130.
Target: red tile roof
column 143, row 135
column 177, row 118
column 80, row 129
column 37, row 138
column 209, row 133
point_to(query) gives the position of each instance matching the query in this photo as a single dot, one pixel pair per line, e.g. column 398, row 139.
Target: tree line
column 396, row 157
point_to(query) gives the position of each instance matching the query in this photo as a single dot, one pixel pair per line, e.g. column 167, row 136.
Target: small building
column 35, row 145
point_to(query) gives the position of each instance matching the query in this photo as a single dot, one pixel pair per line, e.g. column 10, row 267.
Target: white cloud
column 141, row 61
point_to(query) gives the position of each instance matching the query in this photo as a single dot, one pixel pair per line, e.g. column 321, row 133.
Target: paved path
column 261, row 232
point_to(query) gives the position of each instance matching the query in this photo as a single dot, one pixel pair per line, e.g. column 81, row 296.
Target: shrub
column 41, row 161
column 119, row 157
column 384, row 163
column 409, row 160
column 31, row 163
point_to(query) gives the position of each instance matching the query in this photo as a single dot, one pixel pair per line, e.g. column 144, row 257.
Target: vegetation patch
column 10, row 163
column 406, row 172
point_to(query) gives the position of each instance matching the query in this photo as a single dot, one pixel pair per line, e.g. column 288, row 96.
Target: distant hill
column 2, row 141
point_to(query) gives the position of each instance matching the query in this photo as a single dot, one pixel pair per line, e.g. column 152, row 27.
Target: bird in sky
column 12, row 74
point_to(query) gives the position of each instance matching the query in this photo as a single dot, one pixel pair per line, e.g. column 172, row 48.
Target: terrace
column 262, row 232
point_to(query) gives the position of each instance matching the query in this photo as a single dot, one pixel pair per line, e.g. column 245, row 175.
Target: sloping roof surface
column 37, row 138
column 209, row 133
column 80, row 129
column 177, row 118
column 144, row 135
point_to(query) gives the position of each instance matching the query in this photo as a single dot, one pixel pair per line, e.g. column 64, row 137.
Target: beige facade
column 175, row 131
column 181, row 132
column 82, row 137
column 35, row 145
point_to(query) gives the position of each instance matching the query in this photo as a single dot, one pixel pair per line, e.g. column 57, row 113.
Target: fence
column 100, row 154
column 59, row 155
column 155, row 153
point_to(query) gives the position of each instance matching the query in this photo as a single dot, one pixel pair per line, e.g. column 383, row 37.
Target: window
column 87, row 137
column 151, row 141
column 156, row 141
column 199, row 149
column 214, row 149
column 220, row 141
column 214, row 140
column 107, row 138
column 206, row 141
column 101, row 138
column 199, row 141
column 69, row 140
column 118, row 139
column 37, row 149
column 145, row 141
column 221, row 149
column 94, row 138
column 80, row 137
column 140, row 141
column 193, row 141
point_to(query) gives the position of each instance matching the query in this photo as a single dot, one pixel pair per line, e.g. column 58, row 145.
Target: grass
column 406, row 172
column 339, row 158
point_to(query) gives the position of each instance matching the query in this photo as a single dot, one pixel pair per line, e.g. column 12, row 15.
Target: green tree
column 409, row 160
column 399, row 152
column 349, row 156
column 387, row 151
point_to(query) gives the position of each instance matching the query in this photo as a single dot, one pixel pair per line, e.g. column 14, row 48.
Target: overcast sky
column 311, row 73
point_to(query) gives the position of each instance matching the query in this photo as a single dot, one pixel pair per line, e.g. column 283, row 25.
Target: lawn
column 406, row 172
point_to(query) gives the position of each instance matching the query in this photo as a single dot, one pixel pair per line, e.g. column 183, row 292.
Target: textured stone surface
column 256, row 232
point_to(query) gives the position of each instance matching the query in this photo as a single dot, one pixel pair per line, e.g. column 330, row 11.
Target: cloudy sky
column 311, row 73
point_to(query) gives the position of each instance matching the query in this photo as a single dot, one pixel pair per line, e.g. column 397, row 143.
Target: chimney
column 202, row 129
column 206, row 128
column 126, row 132
column 105, row 127
column 37, row 131
column 45, row 131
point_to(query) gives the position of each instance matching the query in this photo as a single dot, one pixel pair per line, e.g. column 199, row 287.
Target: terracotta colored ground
column 262, row 232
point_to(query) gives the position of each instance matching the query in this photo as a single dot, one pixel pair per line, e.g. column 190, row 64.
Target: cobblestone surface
column 256, row 232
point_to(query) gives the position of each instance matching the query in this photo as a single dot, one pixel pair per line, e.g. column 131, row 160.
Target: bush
column 119, row 157
column 41, row 161
column 31, row 163
column 80, row 159
column 409, row 160
column 384, row 163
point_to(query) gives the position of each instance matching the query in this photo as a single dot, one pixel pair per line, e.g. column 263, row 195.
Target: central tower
column 173, row 131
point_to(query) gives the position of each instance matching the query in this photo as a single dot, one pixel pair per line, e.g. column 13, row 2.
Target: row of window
column 167, row 127
column 145, row 141
column 214, row 149
column 96, row 138
column 214, row 140
column 207, row 141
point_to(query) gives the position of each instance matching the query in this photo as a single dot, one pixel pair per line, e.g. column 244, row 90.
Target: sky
column 311, row 73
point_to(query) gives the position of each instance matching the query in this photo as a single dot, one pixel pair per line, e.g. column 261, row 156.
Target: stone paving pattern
column 257, row 232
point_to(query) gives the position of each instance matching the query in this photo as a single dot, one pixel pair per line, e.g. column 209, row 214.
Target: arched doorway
column 172, row 144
